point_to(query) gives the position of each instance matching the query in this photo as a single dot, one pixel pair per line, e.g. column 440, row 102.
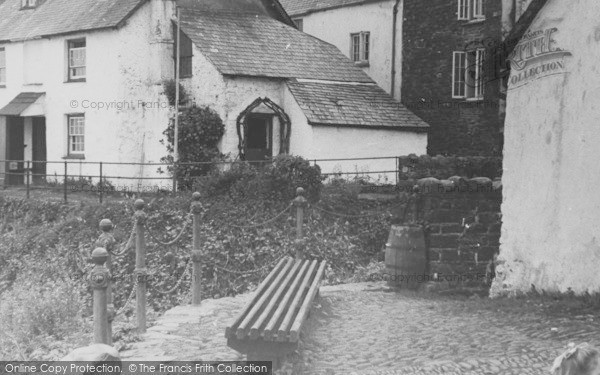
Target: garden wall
column 463, row 226
column 461, row 214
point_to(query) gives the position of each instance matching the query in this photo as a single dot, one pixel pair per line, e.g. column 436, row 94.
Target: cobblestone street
column 365, row 329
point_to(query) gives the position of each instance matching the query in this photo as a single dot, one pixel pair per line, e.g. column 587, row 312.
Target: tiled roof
column 260, row 46
column 54, row 17
column 353, row 105
column 271, row 8
column 20, row 103
column 301, row 7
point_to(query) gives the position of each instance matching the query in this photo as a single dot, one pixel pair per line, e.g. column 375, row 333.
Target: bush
column 276, row 181
column 200, row 130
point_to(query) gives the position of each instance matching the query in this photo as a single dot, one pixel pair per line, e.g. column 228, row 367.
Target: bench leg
column 263, row 355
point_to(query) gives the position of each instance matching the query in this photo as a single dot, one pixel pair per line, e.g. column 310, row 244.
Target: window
column 359, row 47
column 468, row 74
column 185, row 57
column 2, row 66
column 76, row 134
column 28, row 4
column 458, row 75
column 76, row 60
column 299, row 24
column 470, row 10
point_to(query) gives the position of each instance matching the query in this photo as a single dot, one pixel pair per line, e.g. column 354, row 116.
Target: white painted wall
column 551, row 209
column 335, row 26
column 125, row 69
column 346, row 143
column 229, row 96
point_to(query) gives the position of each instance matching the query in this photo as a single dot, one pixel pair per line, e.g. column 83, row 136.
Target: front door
column 15, row 150
column 259, row 137
column 38, row 152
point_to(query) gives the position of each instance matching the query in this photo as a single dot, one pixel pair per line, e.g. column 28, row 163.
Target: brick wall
column 462, row 222
column 463, row 232
column 431, row 32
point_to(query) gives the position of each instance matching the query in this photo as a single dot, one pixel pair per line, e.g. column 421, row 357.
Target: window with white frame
column 468, row 74
column 76, row 60
column 76, row 134
column 2, row 66
column 28, row 4
column 470, row 10
column 359, row 46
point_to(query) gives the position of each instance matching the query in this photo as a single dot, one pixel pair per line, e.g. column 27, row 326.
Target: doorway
column 15, row 150
column 259, row 137
column 38, row 151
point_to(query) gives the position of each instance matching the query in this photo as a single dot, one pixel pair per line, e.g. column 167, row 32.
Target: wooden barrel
column 405, row 256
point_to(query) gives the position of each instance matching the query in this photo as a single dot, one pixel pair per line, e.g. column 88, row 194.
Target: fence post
column 65, row 183
column 101, row 185
column 141, row 273
column 107, row 241
column 300, row 202
column 27, row 171
column 99, row 281
column 196, row 251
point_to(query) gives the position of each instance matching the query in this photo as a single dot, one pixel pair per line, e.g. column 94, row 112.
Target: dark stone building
column 450, row 73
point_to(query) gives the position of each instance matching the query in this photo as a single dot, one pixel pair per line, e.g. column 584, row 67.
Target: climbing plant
column 200, row 130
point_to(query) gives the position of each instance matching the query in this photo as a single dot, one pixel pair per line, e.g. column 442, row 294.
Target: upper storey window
column 470, row 10
column 28, row 4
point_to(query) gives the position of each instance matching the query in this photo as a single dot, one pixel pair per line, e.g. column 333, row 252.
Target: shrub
column 200, row 130
column 276, row 181
column 169, row 91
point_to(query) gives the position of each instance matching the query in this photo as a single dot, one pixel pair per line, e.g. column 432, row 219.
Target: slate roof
column 54, row 17
column 303, row 7
column 353, row 105
column 260, row 46
column 271, row 8
column 20, row 103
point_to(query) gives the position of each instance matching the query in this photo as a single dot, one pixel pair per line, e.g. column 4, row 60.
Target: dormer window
column 28, row 4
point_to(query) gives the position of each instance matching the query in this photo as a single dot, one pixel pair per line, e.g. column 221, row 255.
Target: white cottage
column 83, row 81
column 551, row 210
column 367, row 32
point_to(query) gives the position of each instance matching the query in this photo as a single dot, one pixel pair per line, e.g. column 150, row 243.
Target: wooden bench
column 269, row 326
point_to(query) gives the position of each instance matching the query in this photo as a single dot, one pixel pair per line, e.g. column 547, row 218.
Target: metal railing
column 100, row 276
column 104, row 178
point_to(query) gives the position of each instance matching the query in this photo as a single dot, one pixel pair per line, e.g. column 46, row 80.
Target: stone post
column 196, row 209
column 99, row 281
column 300, row 203
column 141, row 273
column 108, row 242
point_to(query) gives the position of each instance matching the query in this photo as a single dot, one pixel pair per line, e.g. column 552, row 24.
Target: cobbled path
column 366, row 329
column 362, row 329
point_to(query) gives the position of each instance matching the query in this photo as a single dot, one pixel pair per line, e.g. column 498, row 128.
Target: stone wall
column 431, row 33
column 463, row 227
column 462, row 221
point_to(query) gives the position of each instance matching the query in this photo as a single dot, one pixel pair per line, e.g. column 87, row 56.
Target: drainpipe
column 394, row 22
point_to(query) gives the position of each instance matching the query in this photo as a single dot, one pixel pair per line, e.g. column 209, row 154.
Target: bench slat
column 282, row 333
column 301, row 317
column 268, row 332
column 230, row 331
column 242, row 328
column 254, row 330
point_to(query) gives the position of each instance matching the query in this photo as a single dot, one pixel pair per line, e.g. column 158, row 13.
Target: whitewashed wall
column 335, row 26
column 551, row 209
column 122, row 75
